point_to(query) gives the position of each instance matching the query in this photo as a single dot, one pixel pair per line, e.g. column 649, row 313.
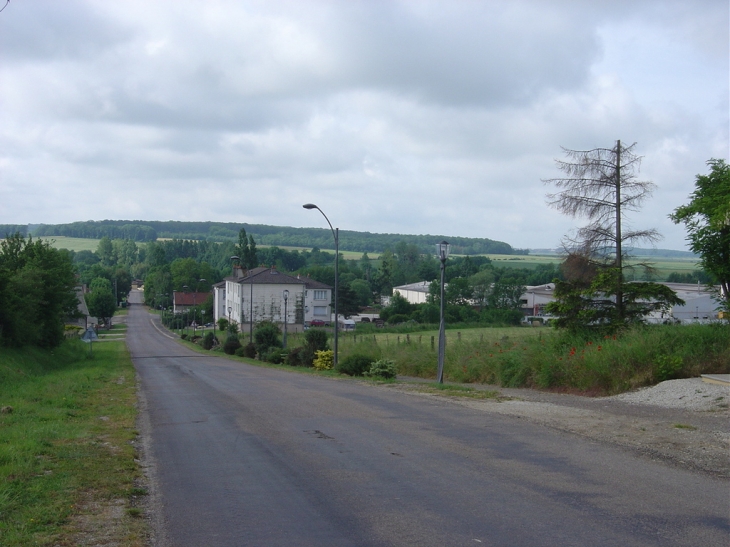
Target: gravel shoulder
column 682, row 422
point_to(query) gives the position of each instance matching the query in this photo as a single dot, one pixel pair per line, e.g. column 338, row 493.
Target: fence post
column 432, row 342
column 458, row 336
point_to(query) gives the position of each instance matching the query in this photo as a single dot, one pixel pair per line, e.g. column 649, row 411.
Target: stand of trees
column 36, row 292
column 144, row 231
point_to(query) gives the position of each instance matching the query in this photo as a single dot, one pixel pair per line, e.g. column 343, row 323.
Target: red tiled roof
column 190, row 298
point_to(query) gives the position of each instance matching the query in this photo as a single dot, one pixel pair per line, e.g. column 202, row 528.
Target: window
column 320, row 311
column 320, row 295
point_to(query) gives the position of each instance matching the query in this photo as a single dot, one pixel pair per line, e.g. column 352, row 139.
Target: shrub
column 275, row 356
column 231, row 345
column 668, row 367
column 184, row 336
column 209, row 340
column 249, row 350
column 383, row 368
column 300, row 357
column 266, row 336
column 240, row 351
column 316, row 340
column 324, row 359
column 354, row 365
column 398, row 318
column 222, row 324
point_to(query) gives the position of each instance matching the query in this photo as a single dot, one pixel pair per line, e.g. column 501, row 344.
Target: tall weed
column 558, row 360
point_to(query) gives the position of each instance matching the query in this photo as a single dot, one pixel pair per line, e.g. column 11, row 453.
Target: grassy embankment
column 67, row 462
column 547, row 359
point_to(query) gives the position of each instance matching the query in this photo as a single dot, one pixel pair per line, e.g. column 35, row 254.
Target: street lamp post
column 336, row 235
column 286, row 299
column 185, row 288
column 442, row 250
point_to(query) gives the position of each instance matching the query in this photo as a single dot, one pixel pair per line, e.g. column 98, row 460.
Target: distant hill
column 141, row 230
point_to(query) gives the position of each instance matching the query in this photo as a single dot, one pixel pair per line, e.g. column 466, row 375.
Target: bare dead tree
column 601, row 185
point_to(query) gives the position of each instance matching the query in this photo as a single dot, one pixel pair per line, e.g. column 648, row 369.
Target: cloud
column 411, row 117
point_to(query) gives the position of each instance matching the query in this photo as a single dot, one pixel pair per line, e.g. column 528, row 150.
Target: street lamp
column 336, row 235
column 286, row 299
column 185, row 288
column 442, row 250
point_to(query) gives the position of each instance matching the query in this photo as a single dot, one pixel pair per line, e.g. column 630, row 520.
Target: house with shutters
column 250, row 296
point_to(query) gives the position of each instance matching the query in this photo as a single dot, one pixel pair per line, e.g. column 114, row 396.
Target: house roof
column 190, row 298
column 272, row 276
column 421, row 286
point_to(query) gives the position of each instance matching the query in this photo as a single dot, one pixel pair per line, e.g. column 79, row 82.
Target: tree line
column 144, row 231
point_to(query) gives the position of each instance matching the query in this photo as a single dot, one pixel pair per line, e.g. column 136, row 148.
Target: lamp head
column 442, row 250
column 310, row 206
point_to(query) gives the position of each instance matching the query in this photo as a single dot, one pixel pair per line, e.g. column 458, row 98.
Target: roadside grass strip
column 67, row 427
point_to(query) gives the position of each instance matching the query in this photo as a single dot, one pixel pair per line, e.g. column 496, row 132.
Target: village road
column 252, row 456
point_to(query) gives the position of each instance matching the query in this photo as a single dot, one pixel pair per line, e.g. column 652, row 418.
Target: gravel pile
column 689, row 394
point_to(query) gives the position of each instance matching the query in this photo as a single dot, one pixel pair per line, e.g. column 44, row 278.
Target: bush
column 209, row 340
column 266, row 336
column 354, row 365
column 316, row 340
column 240, row 351
column 222, row 324
column 231, row 345
column 398, row 318
column 275, row 356
column 324, row 359
column 300, row 357
column 382, row 368
column 249, row 350
column 184, row 336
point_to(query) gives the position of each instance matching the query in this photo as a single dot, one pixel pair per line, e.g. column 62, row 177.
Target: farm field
column 663, row 265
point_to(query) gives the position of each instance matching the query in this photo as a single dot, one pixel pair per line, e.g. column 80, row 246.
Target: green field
column 71, row 243
column 663, row 265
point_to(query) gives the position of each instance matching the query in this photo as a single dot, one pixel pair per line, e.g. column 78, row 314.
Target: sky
column 399, row 116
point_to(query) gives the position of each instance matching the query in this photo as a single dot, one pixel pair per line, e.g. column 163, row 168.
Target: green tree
column 101, row 301
column 36, row 292
column 363, row 293
column 105, row 250
column 579, row 307
column 707, row 219
column 481, row 287
column 246, row 250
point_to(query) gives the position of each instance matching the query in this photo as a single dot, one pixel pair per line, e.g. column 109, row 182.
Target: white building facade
column 258, row 295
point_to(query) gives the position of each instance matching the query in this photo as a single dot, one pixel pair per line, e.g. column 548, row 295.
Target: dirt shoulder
column 683, row 422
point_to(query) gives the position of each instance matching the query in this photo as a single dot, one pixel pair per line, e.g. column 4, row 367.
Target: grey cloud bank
column 410, row 117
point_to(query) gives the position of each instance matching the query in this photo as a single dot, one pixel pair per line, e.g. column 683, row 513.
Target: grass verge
column 67, row 458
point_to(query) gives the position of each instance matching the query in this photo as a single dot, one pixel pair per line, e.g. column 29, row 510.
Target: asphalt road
column 251, row 456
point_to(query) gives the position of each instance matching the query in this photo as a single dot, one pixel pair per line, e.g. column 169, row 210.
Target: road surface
column 252, row 456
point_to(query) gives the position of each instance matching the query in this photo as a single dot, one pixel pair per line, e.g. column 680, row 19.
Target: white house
column 258, row 294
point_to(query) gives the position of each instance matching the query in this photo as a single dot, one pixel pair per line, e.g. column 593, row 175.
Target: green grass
column 65, row 448
column 547, row 359
column 71, row 243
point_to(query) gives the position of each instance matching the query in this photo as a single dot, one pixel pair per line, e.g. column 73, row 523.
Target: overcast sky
column 414, row 117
